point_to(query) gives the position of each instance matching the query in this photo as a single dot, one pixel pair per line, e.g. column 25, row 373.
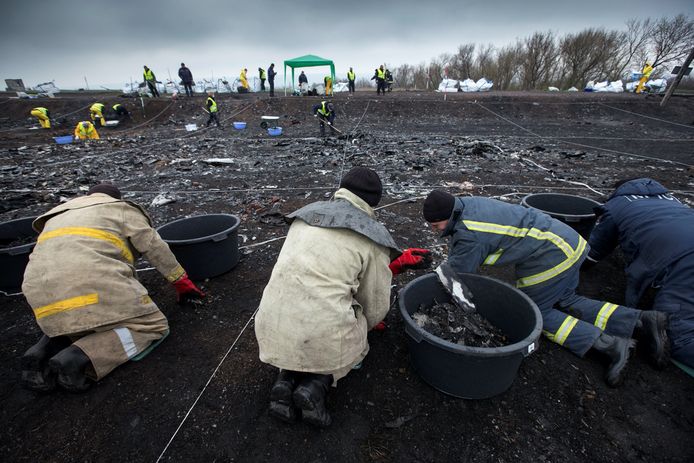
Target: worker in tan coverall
column 329, row 287
column 82, row 287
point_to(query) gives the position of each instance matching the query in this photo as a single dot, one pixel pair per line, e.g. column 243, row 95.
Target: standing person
column 121, row 112
column 351, row 77
column 645, row 75
column 261, row 76
column 325, row 112
column 96, row 113
column 81, row 285
column 303, row 82
column 389, row 81
column 151, row 81
column 271, row 78
column 315, row 312
column 244, row 80
column 85, row 130
column 547, row 255
column 212, row 109
column 380, row 77
column 186, row 78
column 654, row 230
column 43, row 116
column 328, row 82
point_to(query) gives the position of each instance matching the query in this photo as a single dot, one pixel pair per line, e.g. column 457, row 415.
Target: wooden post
column 680, row 74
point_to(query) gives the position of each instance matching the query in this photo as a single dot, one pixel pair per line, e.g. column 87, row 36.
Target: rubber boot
column 652, row 329
column 617, row 349
column 70, row 366
column 35, row 372
column 310, row 396
column 281, row 401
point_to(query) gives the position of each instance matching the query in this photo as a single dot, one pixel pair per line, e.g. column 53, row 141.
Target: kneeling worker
column 121, row 112
column 96, row 112
column 82, row 287
column 43, row 116
column 86, row 130
column 315, row 312
column 547, row 256
column 325, row 112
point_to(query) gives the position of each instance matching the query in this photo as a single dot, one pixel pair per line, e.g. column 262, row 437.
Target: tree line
column 548, row 59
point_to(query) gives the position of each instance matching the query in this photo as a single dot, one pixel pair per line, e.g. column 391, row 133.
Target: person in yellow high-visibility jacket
column 645, row 75
column 328, row 81
column 244, row 79
column 86, row 130
column 96, row 112
column 43, row 116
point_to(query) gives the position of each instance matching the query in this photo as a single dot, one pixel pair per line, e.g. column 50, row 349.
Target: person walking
column 151, row 81
column 83, row 290
column 186, row 79
column 351, row 77
column 547, row 255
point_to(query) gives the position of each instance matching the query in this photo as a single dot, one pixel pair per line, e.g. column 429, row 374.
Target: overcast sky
column 110, row 41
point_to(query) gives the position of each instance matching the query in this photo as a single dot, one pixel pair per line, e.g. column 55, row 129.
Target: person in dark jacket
column 547, row 255
column 380, row 77
column 121, row 112
column 656, row 234
column 271, row 78
column 212, row 109
column 325, row 112
column 186, row 79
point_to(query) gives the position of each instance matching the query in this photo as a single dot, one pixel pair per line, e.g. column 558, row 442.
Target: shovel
column 461, row 294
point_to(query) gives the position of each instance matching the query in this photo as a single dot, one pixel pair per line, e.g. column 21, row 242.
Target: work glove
column 380, row 326
column 186, row 289
column 412, row 258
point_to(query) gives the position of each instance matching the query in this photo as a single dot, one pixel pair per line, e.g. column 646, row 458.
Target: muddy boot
column 617, row 349
column 281, row 402
column 310, row 396
column 652, row 329
column 35, row 372
column 70, row 366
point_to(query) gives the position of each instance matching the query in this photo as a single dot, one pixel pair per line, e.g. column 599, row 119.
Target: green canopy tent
column 305, row 62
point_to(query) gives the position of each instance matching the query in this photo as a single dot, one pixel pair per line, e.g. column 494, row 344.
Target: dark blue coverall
column 547, row 255
column 656, row 234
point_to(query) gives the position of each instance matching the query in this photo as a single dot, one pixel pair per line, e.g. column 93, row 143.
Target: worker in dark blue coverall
column 547, row 255
column 656, row 234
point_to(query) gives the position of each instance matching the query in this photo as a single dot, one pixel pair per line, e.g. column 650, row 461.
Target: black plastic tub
column 471, row 372
column 205, row 245
column 13, row 260
column 575, row 211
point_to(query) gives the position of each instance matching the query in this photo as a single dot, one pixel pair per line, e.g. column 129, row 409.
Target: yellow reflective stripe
column 554, row 271
column 492, row 258
column 563, row 332
column 66, row 304
column 90, row 233
column 604, row 315
column 177, row 273
column 487, row 227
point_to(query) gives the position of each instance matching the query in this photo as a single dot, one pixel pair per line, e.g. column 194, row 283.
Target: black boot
column 70, row 366
column 652, row 328
column 310, row 396
column 35, row 372
column 618, row 350
column 281, row 401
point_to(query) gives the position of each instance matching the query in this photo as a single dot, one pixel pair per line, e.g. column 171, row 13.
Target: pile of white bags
column 611, row 87
column 652, row 86
column 467, row 85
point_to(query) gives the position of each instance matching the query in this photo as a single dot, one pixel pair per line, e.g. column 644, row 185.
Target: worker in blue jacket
column 547, row 255
column 656, row 234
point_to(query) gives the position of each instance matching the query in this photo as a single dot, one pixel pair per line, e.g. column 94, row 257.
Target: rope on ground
column 344, row 150
column 180, row 425
column 647, row 117
column 622, row 153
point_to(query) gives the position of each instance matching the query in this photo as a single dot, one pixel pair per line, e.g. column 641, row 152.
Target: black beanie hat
column 105, row 188
column 438, row 206
column 364, row 183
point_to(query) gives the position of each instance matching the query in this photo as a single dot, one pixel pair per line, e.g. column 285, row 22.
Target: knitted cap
column 438, row 206
column 105, row 188
column 364, row 183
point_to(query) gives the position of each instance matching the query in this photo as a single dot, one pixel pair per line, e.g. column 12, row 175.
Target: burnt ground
column 496, row 144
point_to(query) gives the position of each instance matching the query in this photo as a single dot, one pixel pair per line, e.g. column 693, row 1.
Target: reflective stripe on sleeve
column 90, row 233
column 563, row 332
column 604, row 315
column 66, row 304
column 126, row 339
column 492, row 258
column 487, row 227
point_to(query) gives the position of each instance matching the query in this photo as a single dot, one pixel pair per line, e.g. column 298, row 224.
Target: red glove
column 186, row 289
column 380, row 326
column 414, row 258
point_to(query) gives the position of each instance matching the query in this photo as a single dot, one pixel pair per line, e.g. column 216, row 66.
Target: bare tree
column 461, row 62
column 633, row 43
column 671, row 39
column 507, row 66
column 540, row 60
column 404, row 76
column 587, row 55
column 485, row 62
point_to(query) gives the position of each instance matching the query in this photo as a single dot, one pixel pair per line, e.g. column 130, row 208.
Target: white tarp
column 611, row 87
column 652, row 86
column 467, row 85
column 47, row 88
column 340, row 87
